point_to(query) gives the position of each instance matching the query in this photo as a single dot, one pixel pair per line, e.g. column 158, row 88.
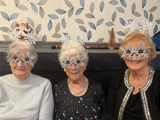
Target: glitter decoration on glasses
column 129, row 27
column 140, row 51
column 67, row 62
column 16, row 57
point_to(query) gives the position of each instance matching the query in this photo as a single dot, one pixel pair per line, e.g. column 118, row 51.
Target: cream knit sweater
column 30, row 99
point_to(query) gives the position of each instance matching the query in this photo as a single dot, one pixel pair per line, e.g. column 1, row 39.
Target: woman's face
column 73, row 73
column 134, row 63
column 20, row 70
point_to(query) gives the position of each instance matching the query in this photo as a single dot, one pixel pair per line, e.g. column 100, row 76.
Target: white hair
column 23, row 45
column 73, row 47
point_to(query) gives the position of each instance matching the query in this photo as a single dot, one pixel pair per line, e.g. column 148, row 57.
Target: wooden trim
column 45, row 47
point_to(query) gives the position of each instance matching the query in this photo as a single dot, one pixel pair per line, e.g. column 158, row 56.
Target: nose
column 73, row 66
column 134, row 57
column 20, row 63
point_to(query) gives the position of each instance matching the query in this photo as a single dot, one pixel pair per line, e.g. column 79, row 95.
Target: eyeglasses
column 140, row 51
column 67, row 61
column 26, row 58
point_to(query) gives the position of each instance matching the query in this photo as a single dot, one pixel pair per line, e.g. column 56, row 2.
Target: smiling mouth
column 134, row 62
column 20, row 69
column 73, row 73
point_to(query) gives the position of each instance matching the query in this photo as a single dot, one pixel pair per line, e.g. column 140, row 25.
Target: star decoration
column 129, row 27
column 81, row 40
column 12, row 35
column 31, row 38
column 67, row 61
column 140, row 51
column 26, row 58
column 145, row 27
column 65, row 38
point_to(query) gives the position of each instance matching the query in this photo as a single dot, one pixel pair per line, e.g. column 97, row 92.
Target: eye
column 140, row 51
column 27, row 58
column 78, row 61
column 128, row 51
column 14, row 57
column 67, row 62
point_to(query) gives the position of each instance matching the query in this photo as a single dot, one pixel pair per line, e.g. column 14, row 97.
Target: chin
column 20, row 74
column 135, row 68
column 74, row 78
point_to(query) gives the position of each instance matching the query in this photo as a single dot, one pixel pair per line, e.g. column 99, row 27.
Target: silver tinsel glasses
column 140, row 51
column 67, row 61
column 26, row 58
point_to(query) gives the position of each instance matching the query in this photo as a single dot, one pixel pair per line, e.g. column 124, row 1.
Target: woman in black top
column 135, row 93
column 77, row 97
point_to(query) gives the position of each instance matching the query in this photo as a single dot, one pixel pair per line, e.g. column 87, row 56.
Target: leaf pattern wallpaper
column 49, row 19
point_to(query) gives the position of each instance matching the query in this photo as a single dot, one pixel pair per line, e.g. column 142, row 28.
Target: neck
column 139, row 75
column 79, row 81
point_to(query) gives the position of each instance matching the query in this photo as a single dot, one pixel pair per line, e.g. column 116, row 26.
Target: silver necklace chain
column 82, row 88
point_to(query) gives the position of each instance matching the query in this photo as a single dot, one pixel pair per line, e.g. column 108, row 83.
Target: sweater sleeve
column 46, row 108
column 109, row 107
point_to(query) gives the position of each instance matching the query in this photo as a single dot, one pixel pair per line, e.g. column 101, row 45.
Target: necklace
column 82, row 88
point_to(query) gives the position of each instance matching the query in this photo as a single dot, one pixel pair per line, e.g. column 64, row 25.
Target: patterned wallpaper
column 49, row 19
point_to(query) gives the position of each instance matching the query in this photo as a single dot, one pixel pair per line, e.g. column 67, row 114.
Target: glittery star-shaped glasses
column 140, row 51
column 67, row 61
column 26, row 58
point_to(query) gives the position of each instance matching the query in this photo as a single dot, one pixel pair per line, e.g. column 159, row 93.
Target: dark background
column 101, row 67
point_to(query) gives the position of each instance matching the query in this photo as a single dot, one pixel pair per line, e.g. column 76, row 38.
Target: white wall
column 51, row 18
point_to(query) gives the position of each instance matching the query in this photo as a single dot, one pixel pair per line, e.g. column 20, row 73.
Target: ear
column 85, row 68
column 64, row 69
column 9, row 63
column 149, row 56
column 32, row 66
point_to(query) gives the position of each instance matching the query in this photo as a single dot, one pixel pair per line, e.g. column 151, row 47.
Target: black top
column 118, row 90
column 134, row 108
column 70, row 107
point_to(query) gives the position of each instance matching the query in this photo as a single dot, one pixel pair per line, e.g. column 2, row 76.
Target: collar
column 126, row 81
column 28, row 81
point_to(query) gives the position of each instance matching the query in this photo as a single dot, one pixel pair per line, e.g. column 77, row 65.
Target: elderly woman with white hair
column 76, row 97
column 23, row 95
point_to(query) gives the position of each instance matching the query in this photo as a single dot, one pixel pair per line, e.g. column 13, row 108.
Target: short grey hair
column 23, row 45
column 73, row 47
